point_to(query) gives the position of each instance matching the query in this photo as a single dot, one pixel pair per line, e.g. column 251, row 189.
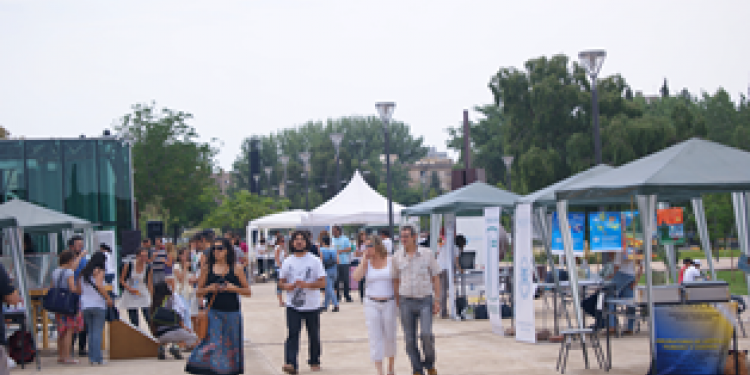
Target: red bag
column 21, row 347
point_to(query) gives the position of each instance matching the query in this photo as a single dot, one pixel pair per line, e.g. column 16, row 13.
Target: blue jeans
column 93, row 318
column 331, row 275
column 416, row 314
column 623, row 289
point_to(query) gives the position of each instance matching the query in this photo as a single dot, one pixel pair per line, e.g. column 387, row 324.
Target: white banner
column 492, row 270
column 523, row 275
column 450, row 236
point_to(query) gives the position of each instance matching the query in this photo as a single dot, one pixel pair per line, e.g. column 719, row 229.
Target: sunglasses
column 369, row 246
column 218, row 248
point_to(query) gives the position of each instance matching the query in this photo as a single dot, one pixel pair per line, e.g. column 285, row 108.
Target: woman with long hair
column 94, row 303
column 167, row 325
column 135, row 282
column 183, row 287
column 380, row 306
column 222, row 281
column 67, row 325
column 302, row 276
column 357, row 259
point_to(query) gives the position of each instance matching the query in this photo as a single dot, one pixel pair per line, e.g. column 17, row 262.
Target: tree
column 172, row 168
column 235, row 212
column 664, row 89
column 361, row 149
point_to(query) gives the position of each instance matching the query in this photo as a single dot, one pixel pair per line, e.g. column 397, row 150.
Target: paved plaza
column 463, row 348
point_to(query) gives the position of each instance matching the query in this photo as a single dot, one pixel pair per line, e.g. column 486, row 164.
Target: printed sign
column 577, row 233
column 605, row 231
column 523, row 274
column 492, row 272
column 669, row 226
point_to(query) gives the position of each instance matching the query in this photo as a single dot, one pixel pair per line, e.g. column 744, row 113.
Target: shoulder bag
column 61, row 300
column 201, row 320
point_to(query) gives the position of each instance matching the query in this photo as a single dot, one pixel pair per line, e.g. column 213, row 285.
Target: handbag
column 60, row 300
column 201, row 320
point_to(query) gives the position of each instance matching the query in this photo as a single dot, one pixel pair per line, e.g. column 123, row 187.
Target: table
column 36, row 296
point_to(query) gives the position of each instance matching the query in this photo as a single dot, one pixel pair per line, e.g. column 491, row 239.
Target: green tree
column 236, row 211
column 172, row 168
column 361, row 149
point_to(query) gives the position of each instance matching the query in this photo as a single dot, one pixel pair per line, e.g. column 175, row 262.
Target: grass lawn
column 738, row 286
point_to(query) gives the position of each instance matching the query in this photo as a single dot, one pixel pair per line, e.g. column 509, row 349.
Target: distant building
column 434, row 161
column 224, row 180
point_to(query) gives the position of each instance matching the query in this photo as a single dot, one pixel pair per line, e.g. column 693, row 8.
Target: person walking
column 302, row 276
column 260, row 254
column 136, row 285
column 380, row 307
column 222, row 281
column 359, row 252
column 417, row 290
column 94, row 303
column 328, row 254
column 343, row 248
column 279, row 256
column 167, row 324
column 67, row 325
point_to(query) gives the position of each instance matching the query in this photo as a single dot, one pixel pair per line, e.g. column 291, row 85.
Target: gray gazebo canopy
column 35, row 218
column 678, row 173
column 546, row 196
column 470, row 198
column 6, row 222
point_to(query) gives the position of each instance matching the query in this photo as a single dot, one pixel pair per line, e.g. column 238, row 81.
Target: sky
column 250, row 67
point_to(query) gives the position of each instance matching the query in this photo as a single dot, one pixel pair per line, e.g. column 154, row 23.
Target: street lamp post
column 593, row 61
column 508, row 160
column 305, row 156
column 385, row 110
column 256, row 177
column 336, row 138
column 268, row 177
column 424, row 185
column 284, row 161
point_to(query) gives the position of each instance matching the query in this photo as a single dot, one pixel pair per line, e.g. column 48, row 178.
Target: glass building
column 88, row 177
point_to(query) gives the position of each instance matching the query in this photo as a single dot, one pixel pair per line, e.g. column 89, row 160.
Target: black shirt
column 6, row 289
column 225, row 301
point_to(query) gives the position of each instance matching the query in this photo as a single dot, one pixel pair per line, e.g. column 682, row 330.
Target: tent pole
column 570, row 258
column 669, row 250
column 740, row 216
column 700, row 221
column 647, row 207
column 541, row 217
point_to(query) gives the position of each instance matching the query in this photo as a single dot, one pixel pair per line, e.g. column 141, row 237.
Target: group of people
column 404, row 285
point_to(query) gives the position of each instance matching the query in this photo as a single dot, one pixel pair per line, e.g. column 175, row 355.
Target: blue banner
column 605, row 231
column 577, row 222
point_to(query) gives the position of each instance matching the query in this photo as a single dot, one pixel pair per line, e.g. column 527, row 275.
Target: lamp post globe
column 268, row 177
column 592, row 61
column 385, row 110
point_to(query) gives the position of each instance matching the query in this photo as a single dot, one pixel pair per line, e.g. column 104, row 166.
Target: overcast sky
column 70, row 67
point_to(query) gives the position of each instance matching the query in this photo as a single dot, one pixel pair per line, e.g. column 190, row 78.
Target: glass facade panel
column 12, row 171
column 80, row 182
column 45, row 171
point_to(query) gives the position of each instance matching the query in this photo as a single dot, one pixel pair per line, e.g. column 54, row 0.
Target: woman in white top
column 183, row 288
column 380, row 305
column 94, row 303
column 135, row 280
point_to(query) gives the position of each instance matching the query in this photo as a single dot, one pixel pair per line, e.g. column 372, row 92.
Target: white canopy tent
column 357, row 203
column 281, row 220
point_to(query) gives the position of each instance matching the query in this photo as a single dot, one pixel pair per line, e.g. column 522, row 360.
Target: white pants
column 381, row 327
column 177, row 336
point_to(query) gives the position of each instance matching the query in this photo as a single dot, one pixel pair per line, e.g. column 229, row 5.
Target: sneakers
column 335, row 309
column 175, row 352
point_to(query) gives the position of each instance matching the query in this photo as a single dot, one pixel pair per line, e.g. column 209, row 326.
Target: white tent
column 357, row 203
column 281, row 220
column 35, row 218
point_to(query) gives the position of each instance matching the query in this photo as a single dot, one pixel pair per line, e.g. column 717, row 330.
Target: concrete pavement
column 466, row 347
